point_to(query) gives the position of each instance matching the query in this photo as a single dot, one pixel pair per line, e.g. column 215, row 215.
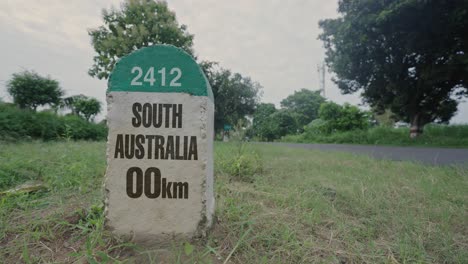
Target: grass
column 303, row 206
column 433, row 136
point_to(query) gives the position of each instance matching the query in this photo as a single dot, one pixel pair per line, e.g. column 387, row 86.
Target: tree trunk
column 417, row 126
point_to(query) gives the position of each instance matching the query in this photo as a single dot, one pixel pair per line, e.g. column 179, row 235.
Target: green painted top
column 159, row 69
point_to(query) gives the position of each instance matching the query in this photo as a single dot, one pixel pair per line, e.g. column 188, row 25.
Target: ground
column 274, row 205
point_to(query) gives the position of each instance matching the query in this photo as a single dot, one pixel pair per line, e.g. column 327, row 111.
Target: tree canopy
column 138, row 24
column 408, row 56
column 305, row 103
column 84, row 106
column 235, row 96
column 30, row 90
column 262, row 125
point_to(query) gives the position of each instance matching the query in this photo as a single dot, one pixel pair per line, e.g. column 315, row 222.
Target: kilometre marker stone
column 159, row 179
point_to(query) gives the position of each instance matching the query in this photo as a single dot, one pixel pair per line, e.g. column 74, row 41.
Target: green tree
column 138, row 24
column 81, row 105
column 262, row 125
column 235, row 96
column 285, row 123
column 305, row 103
column 341, row 118
column 408, row 56
column 30, row 90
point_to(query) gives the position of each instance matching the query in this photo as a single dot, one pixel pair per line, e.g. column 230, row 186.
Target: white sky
column 274, row 42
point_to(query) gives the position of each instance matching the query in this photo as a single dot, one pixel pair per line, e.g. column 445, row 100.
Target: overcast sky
column 274, row 42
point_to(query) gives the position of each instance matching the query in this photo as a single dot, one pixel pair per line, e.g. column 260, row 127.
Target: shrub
column 434, row 135
column 342, row 118
column 16, row 124
column 317, row 127
column 240, row 161
column 242, row 166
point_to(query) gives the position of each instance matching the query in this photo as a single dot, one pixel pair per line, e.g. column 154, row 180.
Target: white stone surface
column 159, row 220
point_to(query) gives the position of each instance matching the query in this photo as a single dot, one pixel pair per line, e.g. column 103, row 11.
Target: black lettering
column 177, row 116
column 169, row 147
column 136, row 108
column 177, row 149
column 168, row 107
column 150, row 146
column 150, row 190
column 119, row 149
column 185, row 147
column 147, row 115
column 140, row 151
column 129, row 146
column 157, row 115
column 159, row 147
column 166, row 189
column 159, row 123
column 180, row 188
column 130, row 182
column 193, row 152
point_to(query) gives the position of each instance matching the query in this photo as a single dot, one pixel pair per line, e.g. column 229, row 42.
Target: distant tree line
column 29, row 90
column 22, row 120
column 304, row 111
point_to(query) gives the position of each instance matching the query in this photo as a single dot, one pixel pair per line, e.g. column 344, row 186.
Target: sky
column 274, row 42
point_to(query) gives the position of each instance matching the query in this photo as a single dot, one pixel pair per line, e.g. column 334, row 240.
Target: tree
column 305, row 103
column 30, row 90
column 235, row 96
column 285, row 123
column 270, row 124
column 263, row 126
column 138, row 24
column 408, row 56
column 341, row 118
column 81, row 105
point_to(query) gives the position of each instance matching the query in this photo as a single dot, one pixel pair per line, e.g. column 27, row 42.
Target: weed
column 245, row 164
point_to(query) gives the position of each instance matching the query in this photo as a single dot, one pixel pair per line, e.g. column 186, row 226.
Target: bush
column 342, row 118
column 434, row 135
column 242, row 166
column 240, row 161
column 317, row 127
column 16, row 124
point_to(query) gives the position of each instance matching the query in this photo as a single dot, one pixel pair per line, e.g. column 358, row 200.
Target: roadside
column 427, row 155
column 453, row 136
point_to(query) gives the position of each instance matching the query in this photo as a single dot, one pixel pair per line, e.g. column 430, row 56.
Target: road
column 432, row 156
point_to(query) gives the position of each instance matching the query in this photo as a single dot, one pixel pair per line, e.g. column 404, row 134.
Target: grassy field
column 274, row 205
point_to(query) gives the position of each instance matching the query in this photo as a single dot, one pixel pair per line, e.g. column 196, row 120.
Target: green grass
column 433, row 136
column 302, row 206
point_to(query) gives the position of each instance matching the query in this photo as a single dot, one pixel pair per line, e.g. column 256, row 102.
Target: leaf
column 188, row 249
column 103, row 255
column 28, row 187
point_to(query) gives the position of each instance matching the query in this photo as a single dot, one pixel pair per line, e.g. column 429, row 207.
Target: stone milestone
column 159, row 178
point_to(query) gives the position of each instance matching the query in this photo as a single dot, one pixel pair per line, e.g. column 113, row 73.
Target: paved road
column 433, row 156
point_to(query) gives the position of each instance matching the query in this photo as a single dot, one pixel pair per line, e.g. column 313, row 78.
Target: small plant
column 243, row 163
column 67, row 134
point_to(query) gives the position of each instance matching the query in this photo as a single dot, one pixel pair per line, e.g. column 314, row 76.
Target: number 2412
column 149, row 76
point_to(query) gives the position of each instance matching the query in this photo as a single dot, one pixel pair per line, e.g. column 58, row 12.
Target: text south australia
column 169, row 147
